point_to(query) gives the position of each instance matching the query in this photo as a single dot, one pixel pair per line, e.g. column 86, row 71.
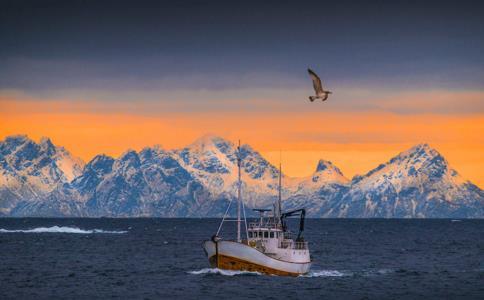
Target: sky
column 106, row 76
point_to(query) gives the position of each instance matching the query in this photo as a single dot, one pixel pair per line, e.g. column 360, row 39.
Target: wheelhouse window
column 271, row 234
column 266, row 234
column 250, row 234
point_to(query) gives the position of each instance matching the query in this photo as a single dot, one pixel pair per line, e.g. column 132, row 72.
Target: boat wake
column 325, row 273
column 319, row 273
column 311, row 274
column 335, row 273
column 222, row 272
column 60, row 229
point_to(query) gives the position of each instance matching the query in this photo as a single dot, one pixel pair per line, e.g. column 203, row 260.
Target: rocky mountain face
column 213, row 162
column 148, row 183
column 40, row 179
column 318, row 191
column 30, row 172
column 416, row 183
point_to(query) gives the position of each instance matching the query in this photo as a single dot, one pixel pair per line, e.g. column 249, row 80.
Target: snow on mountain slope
column 415, row 183
column 213, row 161
column 30, row 170
column 41, row 164
column 326, row 174
column 148, row 183
column 196, row 180
column 318, row 191
column 40, row 179
column 70, row 166
column 414, row 167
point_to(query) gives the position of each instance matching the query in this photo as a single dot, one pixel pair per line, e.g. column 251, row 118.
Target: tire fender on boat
column 215, row 239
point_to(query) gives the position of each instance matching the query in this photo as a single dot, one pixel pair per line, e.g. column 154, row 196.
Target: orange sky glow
column 355, row 141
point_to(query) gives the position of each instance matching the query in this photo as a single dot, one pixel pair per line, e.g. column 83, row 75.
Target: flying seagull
column 318, row 87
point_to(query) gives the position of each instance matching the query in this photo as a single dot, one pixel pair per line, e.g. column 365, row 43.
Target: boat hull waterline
column 229, row 255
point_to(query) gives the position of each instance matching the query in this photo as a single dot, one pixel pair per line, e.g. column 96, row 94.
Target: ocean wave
column 325, row 273
column 222, row 272
column 319, row 273
column 60, row 229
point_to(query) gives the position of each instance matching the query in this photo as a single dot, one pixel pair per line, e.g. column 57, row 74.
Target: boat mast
column 239, row 200
column 279, row 202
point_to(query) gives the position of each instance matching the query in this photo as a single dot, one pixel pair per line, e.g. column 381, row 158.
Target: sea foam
column 222, row 272
column 320, row 273
column 60, row 229
column 325, row 273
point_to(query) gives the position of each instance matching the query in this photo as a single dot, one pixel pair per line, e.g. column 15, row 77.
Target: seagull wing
column 318, row 87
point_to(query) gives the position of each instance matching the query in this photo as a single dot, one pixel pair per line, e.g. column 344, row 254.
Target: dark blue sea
column 163, row 258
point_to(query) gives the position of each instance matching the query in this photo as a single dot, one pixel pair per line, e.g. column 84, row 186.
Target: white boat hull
column 231, row 255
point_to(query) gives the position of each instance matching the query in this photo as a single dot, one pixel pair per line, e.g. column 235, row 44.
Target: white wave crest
column 60, row 229
column 319, row 273
column 222, row 272
column 325, row 273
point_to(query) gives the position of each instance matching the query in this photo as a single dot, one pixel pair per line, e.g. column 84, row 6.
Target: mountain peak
column 13, row 141
column 45, row 140
column 101, row 163
column 157, row 148
column 100, row 159
column 211, row 144
column 17, row 138
column 129, row 155
column 191, row 181
column 151, row 152
column 208, row 139
column 325, row 165
column 420, row 150
column 422, row 146
column 418, row 164
column 326, row 175
column 327, row 171
column 47, row 145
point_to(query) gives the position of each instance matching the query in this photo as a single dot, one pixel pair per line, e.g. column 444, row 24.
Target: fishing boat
column 269, row 246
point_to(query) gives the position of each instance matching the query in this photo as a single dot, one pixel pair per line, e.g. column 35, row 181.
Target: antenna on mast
column 279, row 200
column 239, row 200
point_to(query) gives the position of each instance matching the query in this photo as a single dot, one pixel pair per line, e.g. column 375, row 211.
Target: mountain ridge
column 41, row 179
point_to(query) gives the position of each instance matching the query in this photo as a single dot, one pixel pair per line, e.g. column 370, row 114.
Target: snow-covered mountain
column 416, row 183
column 40, row 179
column 213, row 162
column 30, row 171
column 316, row 192
column 148, row 183
column 326, row 174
